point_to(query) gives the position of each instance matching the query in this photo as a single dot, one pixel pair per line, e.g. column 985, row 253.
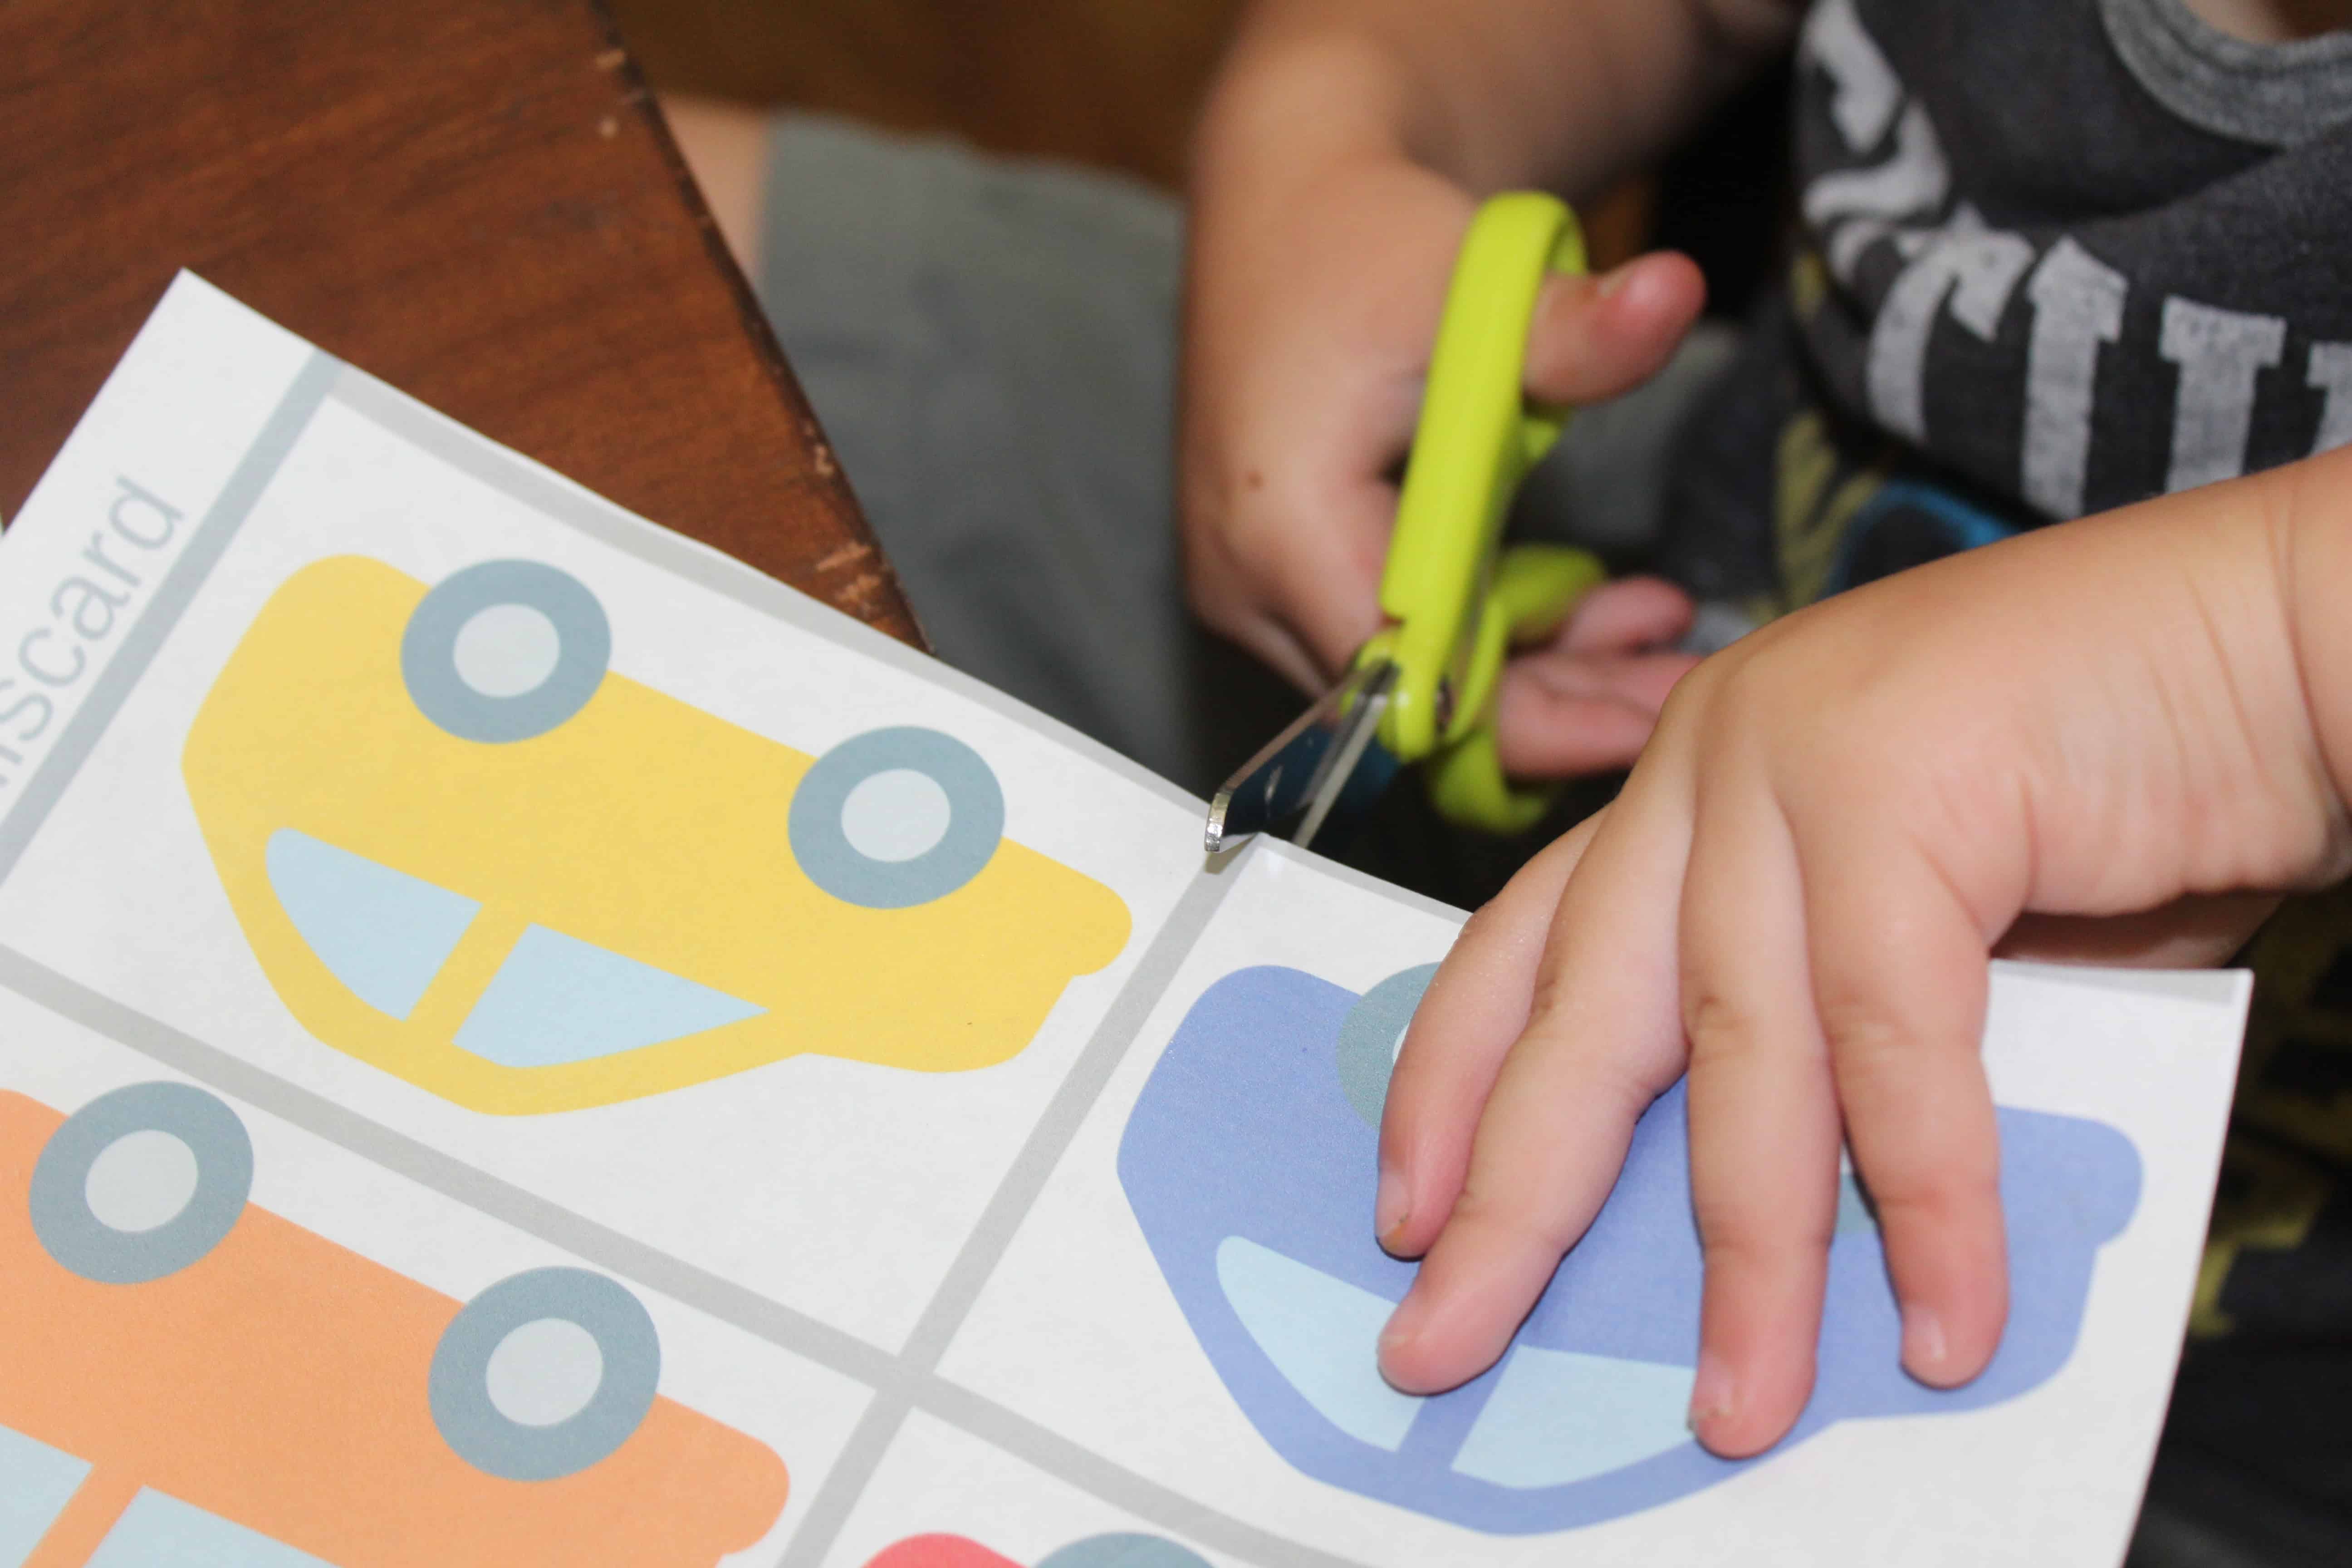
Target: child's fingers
column 1586, row 702
column 1898, row 972
column 1603, row 1037
column 1475, row 1008
column 1627, row 614
column 1567, row 724
column 1763, row 1117
column 1302, row 598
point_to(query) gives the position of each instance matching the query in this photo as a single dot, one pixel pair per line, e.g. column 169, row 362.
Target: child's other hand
column 1840, row 818
column 1586, row 702
column 1320, row 252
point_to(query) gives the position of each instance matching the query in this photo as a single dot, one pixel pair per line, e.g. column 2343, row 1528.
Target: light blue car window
column 1557, row 1416
column 159, row 1531
column 558, row 999
column 1322, row 1335
column 36, row 1481
column 384, row 933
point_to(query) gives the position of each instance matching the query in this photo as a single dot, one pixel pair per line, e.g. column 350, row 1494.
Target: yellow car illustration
column 466, row 852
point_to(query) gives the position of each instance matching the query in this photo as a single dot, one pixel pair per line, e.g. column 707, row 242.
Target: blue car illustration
column 1250, row 1162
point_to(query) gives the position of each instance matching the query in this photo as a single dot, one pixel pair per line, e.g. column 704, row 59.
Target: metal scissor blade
column 1307, row 767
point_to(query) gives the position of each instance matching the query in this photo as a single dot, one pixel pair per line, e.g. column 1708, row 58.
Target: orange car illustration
column 186, row 1378
column 1121, row 1551
column 466, row 851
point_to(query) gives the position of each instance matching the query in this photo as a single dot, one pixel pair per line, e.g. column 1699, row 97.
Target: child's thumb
column 1598, row 338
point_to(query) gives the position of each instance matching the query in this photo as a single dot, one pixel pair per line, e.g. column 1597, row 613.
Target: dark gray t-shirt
column 2053, row 256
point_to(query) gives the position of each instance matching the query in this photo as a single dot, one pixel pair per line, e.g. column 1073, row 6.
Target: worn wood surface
column 473, row 199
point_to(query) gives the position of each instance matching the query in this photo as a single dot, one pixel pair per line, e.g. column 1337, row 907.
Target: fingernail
column 1923, row 1339
column 1403, row 1325
column 1388, row 1211
column 1614, row 280
column 1712, row 1393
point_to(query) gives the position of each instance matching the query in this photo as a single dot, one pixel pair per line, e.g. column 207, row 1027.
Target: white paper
column 906, row 1140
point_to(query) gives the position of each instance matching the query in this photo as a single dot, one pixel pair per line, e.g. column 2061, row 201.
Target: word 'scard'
column 522, row 1041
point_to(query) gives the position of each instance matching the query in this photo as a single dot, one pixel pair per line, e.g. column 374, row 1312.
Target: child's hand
column 1322, row 238
column 1841, row 816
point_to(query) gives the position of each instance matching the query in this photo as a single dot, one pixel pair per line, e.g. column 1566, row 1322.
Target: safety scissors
column 1455, row 601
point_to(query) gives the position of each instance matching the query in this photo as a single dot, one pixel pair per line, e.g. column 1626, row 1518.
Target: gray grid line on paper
column 139, row 644
column 450, row 1177
column 1147, row 1500
column 986, row 1243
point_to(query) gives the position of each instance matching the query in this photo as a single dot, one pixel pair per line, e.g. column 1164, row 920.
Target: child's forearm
column 1569, row 94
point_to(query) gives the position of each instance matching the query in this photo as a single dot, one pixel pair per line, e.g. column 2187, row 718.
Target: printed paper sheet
column 522, row 1040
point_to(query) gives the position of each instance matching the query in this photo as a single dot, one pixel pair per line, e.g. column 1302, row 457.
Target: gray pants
column 992, row 346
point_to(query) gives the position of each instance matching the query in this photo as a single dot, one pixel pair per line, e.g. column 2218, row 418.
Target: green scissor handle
column 1456, row 601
